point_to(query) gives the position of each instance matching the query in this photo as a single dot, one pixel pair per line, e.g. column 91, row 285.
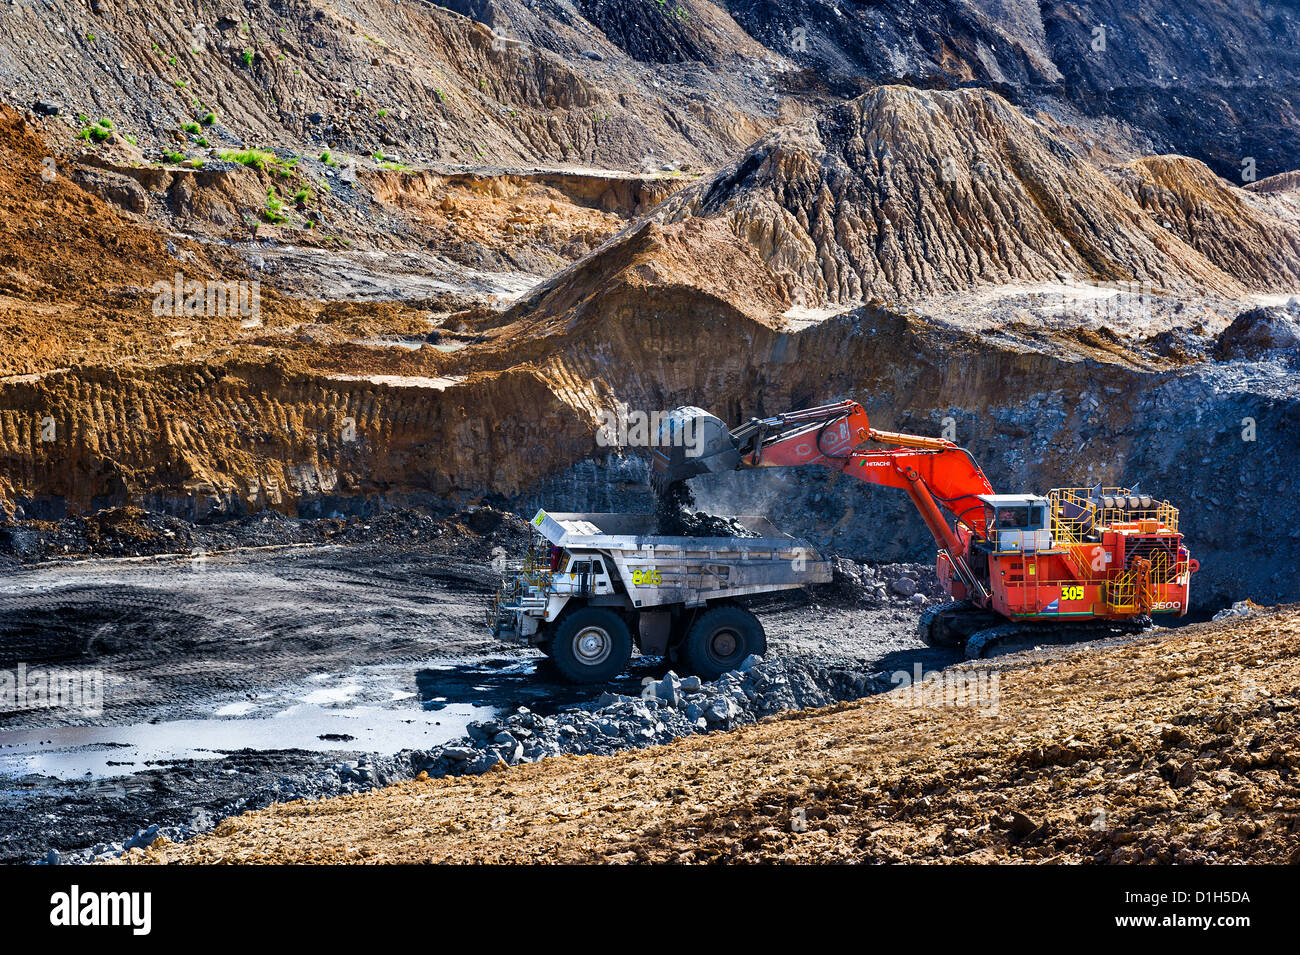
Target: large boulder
column 1261, row 333
column 121, row 190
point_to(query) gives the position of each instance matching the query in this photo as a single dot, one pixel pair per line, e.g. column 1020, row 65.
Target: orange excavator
column 1099, row 559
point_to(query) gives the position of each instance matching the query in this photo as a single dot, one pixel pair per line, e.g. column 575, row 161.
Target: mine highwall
column 211, row 442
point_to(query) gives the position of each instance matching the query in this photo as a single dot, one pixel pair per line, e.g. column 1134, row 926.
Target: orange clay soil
column 77, row 273
column 1180, row 747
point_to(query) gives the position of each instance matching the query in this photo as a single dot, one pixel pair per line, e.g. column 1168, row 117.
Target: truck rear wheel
column 721, row 639
column 591, row 645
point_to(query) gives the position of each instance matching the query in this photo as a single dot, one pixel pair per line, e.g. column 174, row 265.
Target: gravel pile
column 667, row 709
column 874, row 584
column 1262, row 333
column 1240, row 608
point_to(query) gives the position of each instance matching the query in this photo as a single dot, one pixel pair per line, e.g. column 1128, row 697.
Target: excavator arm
column 940, row 477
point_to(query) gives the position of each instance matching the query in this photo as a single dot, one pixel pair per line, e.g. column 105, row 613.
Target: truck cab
column 582, row 574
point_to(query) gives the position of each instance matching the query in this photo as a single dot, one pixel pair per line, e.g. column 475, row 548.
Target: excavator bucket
column 691, row 442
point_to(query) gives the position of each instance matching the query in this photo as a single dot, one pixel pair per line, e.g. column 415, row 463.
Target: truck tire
column 591, row 645
column 720, row 640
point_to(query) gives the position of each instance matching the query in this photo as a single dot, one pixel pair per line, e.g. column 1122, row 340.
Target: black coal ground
column 178, row 637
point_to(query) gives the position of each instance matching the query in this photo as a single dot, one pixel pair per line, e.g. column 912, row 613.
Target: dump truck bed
column 663, row 569
column 636, row 531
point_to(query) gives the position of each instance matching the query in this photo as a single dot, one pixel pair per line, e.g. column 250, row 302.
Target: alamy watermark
column 210, row 298
column 974, row 689
column 73, row 908
column 1103, row 301
column 79, row 691
column 625, row 428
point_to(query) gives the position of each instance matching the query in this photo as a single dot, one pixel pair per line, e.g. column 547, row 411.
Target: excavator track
column 949, row 625
column 982, row 642
column 932, row 629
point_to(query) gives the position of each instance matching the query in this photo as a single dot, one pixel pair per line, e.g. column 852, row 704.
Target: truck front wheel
column 720, row 639
column 591, row 645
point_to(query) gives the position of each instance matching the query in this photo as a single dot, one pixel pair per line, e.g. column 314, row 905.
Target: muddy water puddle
column 376, row 709
column 372, row 709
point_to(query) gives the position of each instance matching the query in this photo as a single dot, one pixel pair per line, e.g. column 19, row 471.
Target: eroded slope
column 1204, row 78
column 402, row 78
column 902, row 193
column 1239, row 230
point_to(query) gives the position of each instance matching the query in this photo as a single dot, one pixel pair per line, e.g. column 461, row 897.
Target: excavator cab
column 1018, row 522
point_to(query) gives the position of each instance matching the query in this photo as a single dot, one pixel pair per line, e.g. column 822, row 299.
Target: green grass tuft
column 258, row 159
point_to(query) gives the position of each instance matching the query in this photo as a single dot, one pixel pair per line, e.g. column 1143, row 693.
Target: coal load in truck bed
column 675, row 517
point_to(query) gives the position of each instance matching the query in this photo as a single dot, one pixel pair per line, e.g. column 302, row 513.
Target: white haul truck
column 593, row 585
